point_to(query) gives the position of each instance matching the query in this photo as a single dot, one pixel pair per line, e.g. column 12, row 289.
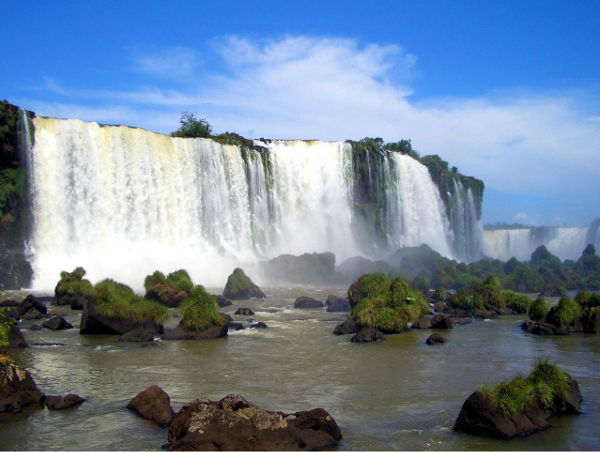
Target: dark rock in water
column 9, row 304
column 77, row 303
column 539, row 328
column 441, row 323
column 478, row 416
column 259, row 325
column 244, row 311
column 35, row 327
column 368, row 334
column 505, row 311
column 15, row 338
column 307, row 303
column 181, row 332
column 138, row 336
column 422, row 324
column 337, row 304
column 33, row 314
column 460, row 320
column 153, row 404
column 348, row 327
column 436, row 339
column 308, row 268
column 590, row 321
column 485, row 314
column 56, row 313
column 222, row 301
column 235, row 424
column 152, row 344
column 236, row 326
column 61, row 403
column 439, row 306
column 31, row 303
column 240, row 287
column 93, row 322
column 57, row 323
column 17, row 389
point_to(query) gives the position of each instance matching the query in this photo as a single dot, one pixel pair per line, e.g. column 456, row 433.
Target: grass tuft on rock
column 200, row 310
column 518, row 302
column 162, row 288
column 464, row 300
column 118, row 301
column 547, row 385
column 567, row 311
column 538, row 309
column 387, row 305
column 73, row 285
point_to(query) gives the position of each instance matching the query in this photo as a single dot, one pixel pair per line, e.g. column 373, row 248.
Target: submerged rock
column 61, row 403
column 441, row 322
column 436, row 339
column 235, row 424
column 153, row 404
column 17, row 389
column 348, row 327
column 240, row 287
column 236, row 326
column 223, row 302
column 259, row 325
column 57, row 323
column 181, row 332
column 140, row 335
column 368, row 334
column 307, row 303
column 244, row 311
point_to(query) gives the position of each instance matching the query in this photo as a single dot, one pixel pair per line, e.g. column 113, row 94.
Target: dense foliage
column 163, row 288
column 200, row 311
column 192, row 127
column 385, row 304
column 5, row 324
column 538, row 309
column 73, row 285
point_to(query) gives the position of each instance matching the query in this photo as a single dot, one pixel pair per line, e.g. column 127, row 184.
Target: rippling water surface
column 399, row 394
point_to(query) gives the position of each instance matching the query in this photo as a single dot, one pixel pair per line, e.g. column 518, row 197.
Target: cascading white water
column 506, row 243
column 466, row 228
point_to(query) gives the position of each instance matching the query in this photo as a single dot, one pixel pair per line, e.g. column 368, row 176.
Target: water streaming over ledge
column 123, row 202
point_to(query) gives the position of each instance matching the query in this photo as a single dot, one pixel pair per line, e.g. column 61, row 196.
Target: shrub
column 586, row 299
column 200, row 311
column 73, row 285
column 538, row 309
column 238, row 281
column 491, row 292
column 421, row 283
column 192, row 127
column 516, row 301
column 463, row 300
column 440, row 294
column 118, row 301
column 163, row 288
column 567, row 311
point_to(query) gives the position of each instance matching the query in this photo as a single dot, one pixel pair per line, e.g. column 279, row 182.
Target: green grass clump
column 371, row 285
column 538, row 309
column 440, row 294
column 73, row 285
column 387, row 305
column 546, row 385
column 118, row 301
column 238, row 281
column 200, row 310
column 464, row 300
column 516, row 301
column 491, row 292
column 161, row 287
column 567, row 311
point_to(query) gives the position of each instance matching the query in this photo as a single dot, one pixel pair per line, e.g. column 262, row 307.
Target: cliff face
column 15, row 271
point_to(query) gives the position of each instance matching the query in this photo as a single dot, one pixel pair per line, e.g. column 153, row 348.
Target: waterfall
column 467, row 229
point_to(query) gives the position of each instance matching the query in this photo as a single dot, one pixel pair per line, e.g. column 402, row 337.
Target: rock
column 441, row 323
column 240, row 287
column 9, row 304
column 337, row 304
column 138, row 336
column 152, row 344
column 460, row 320
column 348, row 327
column 92, row 322
column 57, row 323
column 236, row 326
column 17, row 389
column 439, row 306
column 31, row 302
column 15, row 338
column 259, row 325
column 244, row 311
column 180, row 332
column 505, row 311
column 539, row 328
column 422, row 324
column 166, row 294
column 436, row 339
column 307, row 303
column 56, row 313
column 590, row 321
column 235, row 424
column 77, row 303
column 479, row 417
column 307, row 268
column 367, row 334
column 222, row 301
column 153, row 404
column 485, row 314
column 33, row 314
column 35, row 327
column 61, row 403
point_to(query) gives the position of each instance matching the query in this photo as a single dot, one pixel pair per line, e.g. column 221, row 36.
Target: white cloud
column 523, row 218
column 175, row 62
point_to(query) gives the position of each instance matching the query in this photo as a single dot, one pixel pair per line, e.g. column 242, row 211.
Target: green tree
column 192, row 127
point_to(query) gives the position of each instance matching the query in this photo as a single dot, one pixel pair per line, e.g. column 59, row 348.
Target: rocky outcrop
column 15, row 338
column 368, row 334
column 93, row 322
column 479, row 416
column 441, row 322
column 62, row 403
column 436, row 339
column 259, row 325
column 153, row 404
column 348, row 327
column 304, row 269
column 57, row 323
column 337, row 304
column 240, row 287
column 222, row 301
column 181, row 332
column 244, row 311
column 307, row 303
column 31, row 303
column 233, row 423
column 17, row 389
column 9, row 304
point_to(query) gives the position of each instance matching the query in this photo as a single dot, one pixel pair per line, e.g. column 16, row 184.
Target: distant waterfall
column 467, row 229
column 123, row 202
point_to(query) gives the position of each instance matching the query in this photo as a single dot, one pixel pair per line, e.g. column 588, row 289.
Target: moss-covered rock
column 71, row 288
column 240, row 287
column 170, row 290
column 384, row 304
column 538, row 309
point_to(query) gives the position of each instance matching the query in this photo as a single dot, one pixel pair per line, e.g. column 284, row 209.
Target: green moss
column 518, row 302
column 238, row 282
column 538, row 309
column 12, row 185
column 200, row 311
column 73, row 285
column 118, row 301
column 546, row 386
column 567, row 311
column 387, row 305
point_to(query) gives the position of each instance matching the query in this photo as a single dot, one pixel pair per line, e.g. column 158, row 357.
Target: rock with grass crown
column 240, row 287
column 72, row 289
column 170, row 290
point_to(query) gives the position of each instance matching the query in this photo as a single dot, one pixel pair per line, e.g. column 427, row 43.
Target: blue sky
column 507, row 91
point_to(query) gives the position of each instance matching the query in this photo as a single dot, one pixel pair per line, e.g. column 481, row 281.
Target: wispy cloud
column 175, row 62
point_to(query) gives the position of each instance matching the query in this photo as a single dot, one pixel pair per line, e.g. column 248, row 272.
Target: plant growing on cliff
column 192, row 127
column 200, row 310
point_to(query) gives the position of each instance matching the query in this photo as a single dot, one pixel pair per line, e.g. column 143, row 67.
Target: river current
column 398, row 394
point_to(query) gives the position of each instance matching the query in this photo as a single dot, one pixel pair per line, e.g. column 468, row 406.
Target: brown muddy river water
column 399, row 394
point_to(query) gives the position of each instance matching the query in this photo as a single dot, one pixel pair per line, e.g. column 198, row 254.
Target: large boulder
column 223, row 302
column 441, row 323
column 31, row 303
column 93, row 322
column 235, row 424
column 337, row 304
column 436, row 339
column 15, row 338
column 307, row 303
column 306, row 268
column 240, row 287
column 181, row 332
column 57, row 323
column 61, row 403
column 368, row 334
column 9, row 304
column 349, row 326
column 153, row 404
column 17, row 389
